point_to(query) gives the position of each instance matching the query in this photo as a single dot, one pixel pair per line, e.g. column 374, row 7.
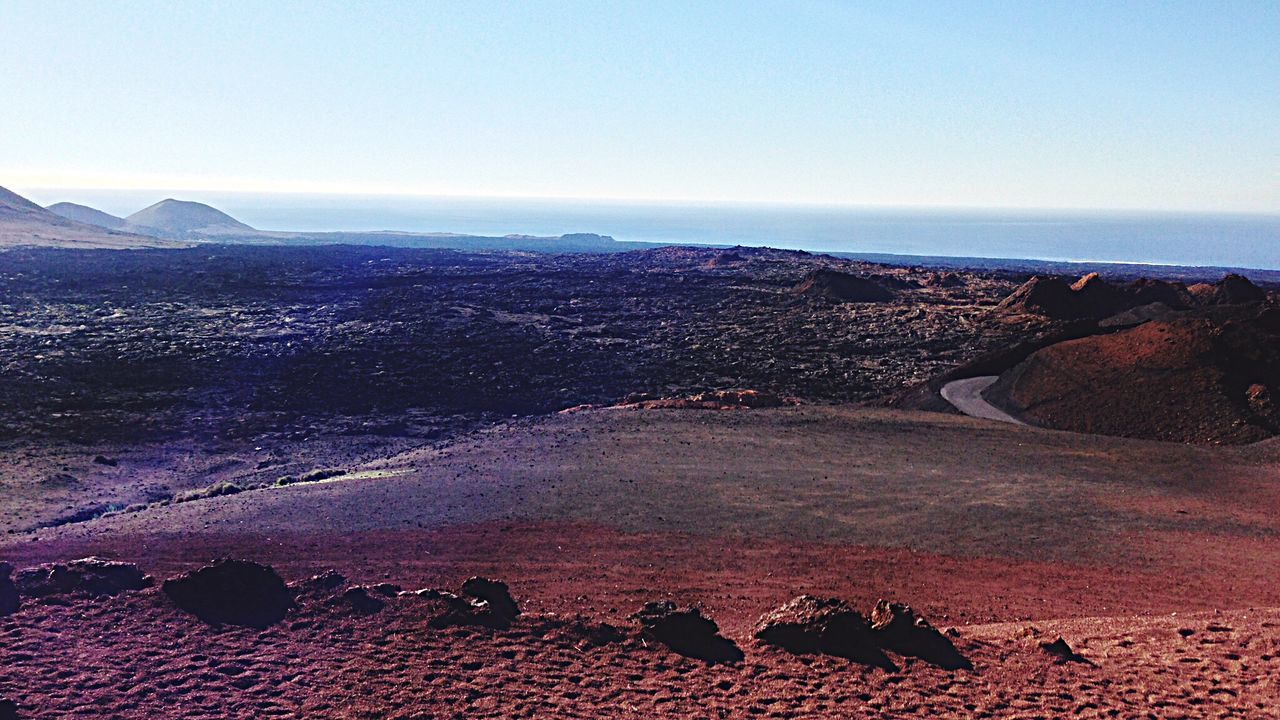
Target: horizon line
column 172, row 193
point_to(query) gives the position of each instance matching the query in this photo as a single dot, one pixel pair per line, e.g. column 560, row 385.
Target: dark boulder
column 896, row 627
column 87, row 576
column 359, row 600
column 808, row 624
column 462, row 611
column 495, row 594
column 9, row 600
column 232, row 592
column 687, row 632
column 1061, row 652
column 325, row 582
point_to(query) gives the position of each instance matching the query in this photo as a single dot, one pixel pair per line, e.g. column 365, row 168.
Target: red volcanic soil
column 997, row 530
column 1188, row 379
column 136, row 655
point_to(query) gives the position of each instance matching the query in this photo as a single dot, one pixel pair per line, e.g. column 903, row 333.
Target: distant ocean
column 1249, row 241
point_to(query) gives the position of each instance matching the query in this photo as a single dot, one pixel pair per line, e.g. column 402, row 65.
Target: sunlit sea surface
column 1250, row 241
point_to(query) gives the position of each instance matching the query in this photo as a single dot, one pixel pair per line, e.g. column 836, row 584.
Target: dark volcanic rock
column 9, row 600
column 807, row 624
column 89, row 576
column 359, row 600
column 459, row 610
column 1236, row 289
column 1061, row 652
column 842, row 287
column 495, row 593
column 326, row 581
column 687, row 632
column 1048, row 296
column 232, row 592
column 1051, row 297
column 896, row 627
column 1146, row 291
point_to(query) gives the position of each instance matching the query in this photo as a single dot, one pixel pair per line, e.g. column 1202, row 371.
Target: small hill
column 1050, row 297
column 182, row 218
column 1202, row 377
column 842, row 287
column 1232, row 289
column 26, row 224
column 1092, row 298
column 87, row 215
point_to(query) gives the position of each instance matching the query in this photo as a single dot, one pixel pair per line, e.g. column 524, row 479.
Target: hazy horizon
column 1243, row 240
column 1149, row 106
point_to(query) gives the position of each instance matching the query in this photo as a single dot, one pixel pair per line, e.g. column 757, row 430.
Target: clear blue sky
column 1154, row 105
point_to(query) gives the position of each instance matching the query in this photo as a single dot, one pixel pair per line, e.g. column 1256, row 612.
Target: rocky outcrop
column 686, row 631
column 1091, row 297
column 232, row 592
column 896, row 627
column 482, row 602
column 808, row 624
column 1047, row 296
column 1061, row 652
column 87, row 576
column 495, row 594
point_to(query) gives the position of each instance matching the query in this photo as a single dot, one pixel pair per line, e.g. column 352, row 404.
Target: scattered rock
column 9, row 600
column 808, row 624
column 896, row 627
column 1062, row 652
column 943, row 280
column 359, row 599
column 495, row 593
column 724, row 258
column 686, row 631
column 387, row 589
column 232, row 592
column 463, row 611
column 89, row 576
column 327, row 580
column 710, row 400
column 104, row 460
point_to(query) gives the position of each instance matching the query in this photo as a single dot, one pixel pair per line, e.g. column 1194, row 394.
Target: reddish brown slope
column 1191, row 379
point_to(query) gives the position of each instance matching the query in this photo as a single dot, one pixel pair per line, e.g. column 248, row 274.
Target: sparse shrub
column 310, row 477
column 214, row 490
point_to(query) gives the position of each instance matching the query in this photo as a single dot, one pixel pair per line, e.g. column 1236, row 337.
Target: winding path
column 966, row 396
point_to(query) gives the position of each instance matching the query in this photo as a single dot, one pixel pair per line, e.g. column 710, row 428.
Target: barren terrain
column 358, row 410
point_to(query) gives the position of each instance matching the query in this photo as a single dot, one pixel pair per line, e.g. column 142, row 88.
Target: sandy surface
column 985, row 526
column 135, row 656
